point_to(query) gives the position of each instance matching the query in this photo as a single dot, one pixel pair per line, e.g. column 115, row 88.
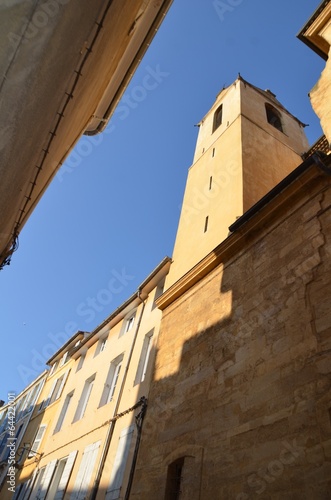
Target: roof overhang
column 65, row 65
column 312, row 32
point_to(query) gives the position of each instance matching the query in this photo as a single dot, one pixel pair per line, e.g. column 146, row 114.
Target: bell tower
column 247, row 143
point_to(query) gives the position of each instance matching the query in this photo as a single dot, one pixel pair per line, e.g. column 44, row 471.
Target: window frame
column 63, row 412
column 37, row 441
column 84, row 399
column 111, row 380
column 144, row 357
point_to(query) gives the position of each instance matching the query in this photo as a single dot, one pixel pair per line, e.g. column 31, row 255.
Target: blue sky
column 111, row 213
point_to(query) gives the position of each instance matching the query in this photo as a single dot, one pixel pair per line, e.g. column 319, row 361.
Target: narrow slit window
column 206, row 224
column 213, row 154
column 210, row 182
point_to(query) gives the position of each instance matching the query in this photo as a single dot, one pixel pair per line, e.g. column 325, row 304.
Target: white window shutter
column 46, row 480
column 46, row 402
column 116, row 478
column 25, row 492
column 85, row 472
column 37, row 440
column 65, row 476
column 59, row 391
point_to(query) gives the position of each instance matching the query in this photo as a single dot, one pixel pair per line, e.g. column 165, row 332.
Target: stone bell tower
column 247, row 143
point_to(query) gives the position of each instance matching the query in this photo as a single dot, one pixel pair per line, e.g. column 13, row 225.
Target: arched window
column 218, row 117
column 274, row 117
column 174, row 477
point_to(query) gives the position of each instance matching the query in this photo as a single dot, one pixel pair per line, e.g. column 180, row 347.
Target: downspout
column 111, row 428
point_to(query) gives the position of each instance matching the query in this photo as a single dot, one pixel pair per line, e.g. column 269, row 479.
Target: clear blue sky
column 113, row 210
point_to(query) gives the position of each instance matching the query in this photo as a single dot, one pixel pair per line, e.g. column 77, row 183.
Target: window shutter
column 26, row 490
column 37, row 440
column 85, row 472
column 46, row 402
column 116, row 478
column 59, row 391
column 65, row 476
column 46, row 480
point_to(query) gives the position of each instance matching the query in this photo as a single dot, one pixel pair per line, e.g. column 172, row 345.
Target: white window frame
column 111, row 380
column 144, row 357
column 102, row 344
column 84, row 399
column 37, row 440
column 56, row 390
column 64, row 359
column 63, row 412
column 61, row 477
column 84, row 474
column 128, row 323
column 80, row 362
column 53, row 368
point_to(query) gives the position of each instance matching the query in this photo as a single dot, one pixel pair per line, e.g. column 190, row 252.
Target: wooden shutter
column 85, row 472
column 59, row 391
column 116, row 478
column 65, row 476
column 46, row 480
column 37, row 441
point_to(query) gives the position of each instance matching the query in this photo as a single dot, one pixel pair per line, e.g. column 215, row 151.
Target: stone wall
column 242, row 386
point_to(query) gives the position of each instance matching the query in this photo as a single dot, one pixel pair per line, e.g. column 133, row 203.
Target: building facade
column 15, row 420
column 84, row 432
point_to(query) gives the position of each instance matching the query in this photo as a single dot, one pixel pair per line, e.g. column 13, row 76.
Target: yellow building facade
column 84, row 432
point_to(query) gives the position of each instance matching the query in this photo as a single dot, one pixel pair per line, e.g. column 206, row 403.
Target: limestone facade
column 239, row 406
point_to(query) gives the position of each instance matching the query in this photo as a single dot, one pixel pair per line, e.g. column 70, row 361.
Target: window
column 117, row 473
column 88, row 386
column 37, row 440
column 129, row 324
column 84, row 474
column 206, row 224
column 53, row 368
column 158, row 292
column 57, row 388
column 37, row 487
column 213, row 153
column 174, row 477
column 60, row 477
column 111, row 380
column 80, row 362
column 64, row 411
column 274, row 117
column 210, row 182
column 64, row 359
column 218, row 117
column 144, row 357
column 101, row 345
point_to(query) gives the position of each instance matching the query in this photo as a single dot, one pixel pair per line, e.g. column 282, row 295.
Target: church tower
column 247, row 143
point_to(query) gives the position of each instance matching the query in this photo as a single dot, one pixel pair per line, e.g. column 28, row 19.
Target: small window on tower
column 218, row 117
column 274, row 117
column 206, row 224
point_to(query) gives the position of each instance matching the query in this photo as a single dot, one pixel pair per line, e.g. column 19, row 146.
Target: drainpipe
column 112, row 424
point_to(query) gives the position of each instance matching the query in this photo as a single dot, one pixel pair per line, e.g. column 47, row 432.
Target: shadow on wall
column 239, row 407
